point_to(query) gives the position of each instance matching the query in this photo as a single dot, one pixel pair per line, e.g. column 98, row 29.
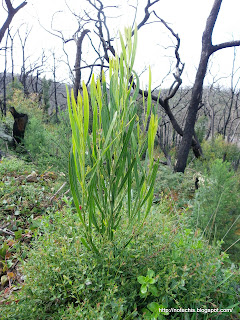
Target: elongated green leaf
column 136, row 89
column 129, row 186
column 85, row 243
column 74, row 187
column 134, row 49
column 152, row 179
column 143, row 288
column 86, row 110
column 126, row 175
column 125, row 142
column 123, row 50
column 149, row 100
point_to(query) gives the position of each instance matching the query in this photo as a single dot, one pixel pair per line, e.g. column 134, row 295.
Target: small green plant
column 154, row 311
column 148, row 287
column 107, row 175
column 147, row 284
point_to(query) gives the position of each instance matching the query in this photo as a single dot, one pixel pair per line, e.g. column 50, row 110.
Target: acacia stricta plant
column 108, row 178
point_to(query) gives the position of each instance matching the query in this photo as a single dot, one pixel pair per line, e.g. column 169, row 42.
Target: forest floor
column 26, row 194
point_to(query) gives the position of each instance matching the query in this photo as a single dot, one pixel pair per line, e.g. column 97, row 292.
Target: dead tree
column 4, row 102
column 78, row 37
column 55, row 86
column 10, row 14
column 23, row 75
column 207, row 50
column 79, row 42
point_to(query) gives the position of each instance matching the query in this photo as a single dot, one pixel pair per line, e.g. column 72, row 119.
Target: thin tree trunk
column 5, row 81
column 77, row 67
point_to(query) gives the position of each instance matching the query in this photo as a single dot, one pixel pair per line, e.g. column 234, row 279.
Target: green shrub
column 36, row 138
column 12, row 86
column 61, row 142
column 216, row 206
column 64, row 280
column 49, row 145
column 116, row 179
column 13, row 166
column 220, row 149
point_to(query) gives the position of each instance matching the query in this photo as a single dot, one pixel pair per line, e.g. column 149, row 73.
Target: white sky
column 186, row 17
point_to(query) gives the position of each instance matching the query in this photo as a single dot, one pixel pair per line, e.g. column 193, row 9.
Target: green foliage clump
column 168, row 180
column 36, row 138
column 116, row 178
column 12, row 86
column 216, row 206
column 13, row 166
column 49, row 145
column 64, row 280
column 220, row 149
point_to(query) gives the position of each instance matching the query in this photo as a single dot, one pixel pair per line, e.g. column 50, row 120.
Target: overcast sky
column 186, row 17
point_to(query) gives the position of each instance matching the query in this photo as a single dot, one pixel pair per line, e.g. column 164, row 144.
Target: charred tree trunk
column 192, row 115
column 4, row 109
column 19, row 126
column 207, row 49
column 77, row 67
column 55, row 88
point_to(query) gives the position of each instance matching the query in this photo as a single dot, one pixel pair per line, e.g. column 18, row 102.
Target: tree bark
column 207, row 50
column 77, row 80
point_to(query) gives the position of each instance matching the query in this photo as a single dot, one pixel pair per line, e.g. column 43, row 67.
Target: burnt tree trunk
column 5, row 81
column 19, row 126
column 192, row 115
column 77, row 67
column 207, row 49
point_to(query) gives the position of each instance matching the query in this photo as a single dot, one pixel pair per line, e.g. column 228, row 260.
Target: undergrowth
column 64, row 280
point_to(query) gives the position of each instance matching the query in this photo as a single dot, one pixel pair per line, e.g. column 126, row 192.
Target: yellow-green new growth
column 109, row 181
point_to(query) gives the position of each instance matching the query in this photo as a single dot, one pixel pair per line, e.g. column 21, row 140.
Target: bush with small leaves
column 166, row 263
column 216, row 206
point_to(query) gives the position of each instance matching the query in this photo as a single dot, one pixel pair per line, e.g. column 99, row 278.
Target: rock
column 32, row 177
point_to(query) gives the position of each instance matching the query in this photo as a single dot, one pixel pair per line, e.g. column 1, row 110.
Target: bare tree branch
column 224, row 45
column 147, row 14
column 11, row 13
